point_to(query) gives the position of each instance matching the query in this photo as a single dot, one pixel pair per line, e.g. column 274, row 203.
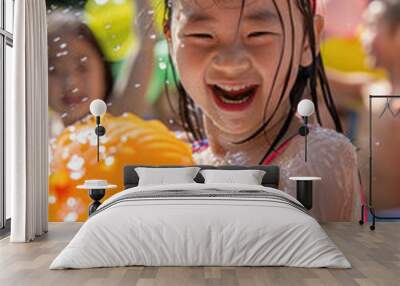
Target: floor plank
column 375, row 257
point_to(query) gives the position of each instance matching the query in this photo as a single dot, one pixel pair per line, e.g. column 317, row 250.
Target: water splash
column 116, row 48
column 76, row 163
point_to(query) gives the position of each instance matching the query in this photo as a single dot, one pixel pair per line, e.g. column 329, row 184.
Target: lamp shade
column 305, row 108
column 98, row 107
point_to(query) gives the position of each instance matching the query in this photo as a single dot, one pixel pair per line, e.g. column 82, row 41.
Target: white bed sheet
column 200, row 232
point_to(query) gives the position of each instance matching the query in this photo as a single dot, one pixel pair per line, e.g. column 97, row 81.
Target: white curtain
column 26, row 123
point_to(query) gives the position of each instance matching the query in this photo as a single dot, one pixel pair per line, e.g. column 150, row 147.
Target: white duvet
column 202, row 231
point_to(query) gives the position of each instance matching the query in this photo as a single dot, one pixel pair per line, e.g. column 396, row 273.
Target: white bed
column 223, row 225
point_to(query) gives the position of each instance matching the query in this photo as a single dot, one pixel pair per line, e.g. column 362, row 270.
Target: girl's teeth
column 232, row 88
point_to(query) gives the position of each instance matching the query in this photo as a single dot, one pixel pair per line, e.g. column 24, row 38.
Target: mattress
column 201, row 225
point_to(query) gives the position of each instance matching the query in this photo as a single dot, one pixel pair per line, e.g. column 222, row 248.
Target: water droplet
column 71, row 202
column 75, row 90
column 378, row 144
column 153, row 36
column 52, row 199
column 137, row 85
column 77, row 14
column 182, row 45
column 66, row 10
column 60, row 54
column 109, row 161
column 75, row 163
column 71, row 217
column 109, row 104
column 171, row 121
column 116, row 48
column 150, row 12
column 63, row 45
column 65, row 114
column 162, row 66
column 56, row 39
column 167, row 81
column 76, row 175
column 51, row 68
column 84, row 59
column 85, row 99
column 108, row 26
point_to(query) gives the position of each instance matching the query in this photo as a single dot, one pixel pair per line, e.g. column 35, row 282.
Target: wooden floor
column 375, row 257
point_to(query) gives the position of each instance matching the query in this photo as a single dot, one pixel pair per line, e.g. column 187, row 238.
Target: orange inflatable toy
column 129, row 140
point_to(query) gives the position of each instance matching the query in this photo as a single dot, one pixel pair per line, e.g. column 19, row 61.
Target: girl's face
column 76, row 76
column 237, row 74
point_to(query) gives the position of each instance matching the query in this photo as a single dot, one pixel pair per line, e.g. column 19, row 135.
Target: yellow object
column 129, row 140
column 347, row 55
column 112, row 22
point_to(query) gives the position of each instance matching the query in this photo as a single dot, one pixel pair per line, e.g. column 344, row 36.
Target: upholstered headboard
column 271, row 177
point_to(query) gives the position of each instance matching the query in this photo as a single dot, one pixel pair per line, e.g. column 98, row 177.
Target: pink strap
column 279, row 151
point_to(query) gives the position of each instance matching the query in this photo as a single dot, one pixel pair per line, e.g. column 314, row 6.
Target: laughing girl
column 243, row 66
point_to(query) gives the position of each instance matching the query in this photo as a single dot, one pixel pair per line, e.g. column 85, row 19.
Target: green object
column 162, row 71
column 117, row 68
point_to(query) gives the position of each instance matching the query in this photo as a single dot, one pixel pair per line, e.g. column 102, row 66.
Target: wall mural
column 212, row 82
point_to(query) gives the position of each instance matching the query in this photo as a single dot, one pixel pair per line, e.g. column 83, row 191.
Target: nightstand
column 304, row 190
column 97, row 190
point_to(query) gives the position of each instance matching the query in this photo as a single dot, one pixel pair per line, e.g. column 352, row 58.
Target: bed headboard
column 271, row 177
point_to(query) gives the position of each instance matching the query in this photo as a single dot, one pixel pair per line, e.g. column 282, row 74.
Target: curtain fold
column 26, row 123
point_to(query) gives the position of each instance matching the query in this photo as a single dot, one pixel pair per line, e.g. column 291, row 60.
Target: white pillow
column 164, row 176
column 248, row 177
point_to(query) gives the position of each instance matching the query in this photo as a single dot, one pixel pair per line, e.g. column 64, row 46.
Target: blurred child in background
column 80, row 71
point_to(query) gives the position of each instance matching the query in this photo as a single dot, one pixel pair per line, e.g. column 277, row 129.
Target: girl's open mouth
column 233, row 97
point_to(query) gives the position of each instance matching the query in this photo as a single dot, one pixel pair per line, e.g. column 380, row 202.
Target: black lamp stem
column 98, row 138
column 305, row 138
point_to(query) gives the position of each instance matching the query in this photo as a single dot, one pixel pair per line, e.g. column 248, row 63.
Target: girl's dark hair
column 392, row 12
column 60, row 23
column 313, row 76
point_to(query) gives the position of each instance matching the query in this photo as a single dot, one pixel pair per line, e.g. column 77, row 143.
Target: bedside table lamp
column 98, row 108
column 305, row 108
column 304, row 184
